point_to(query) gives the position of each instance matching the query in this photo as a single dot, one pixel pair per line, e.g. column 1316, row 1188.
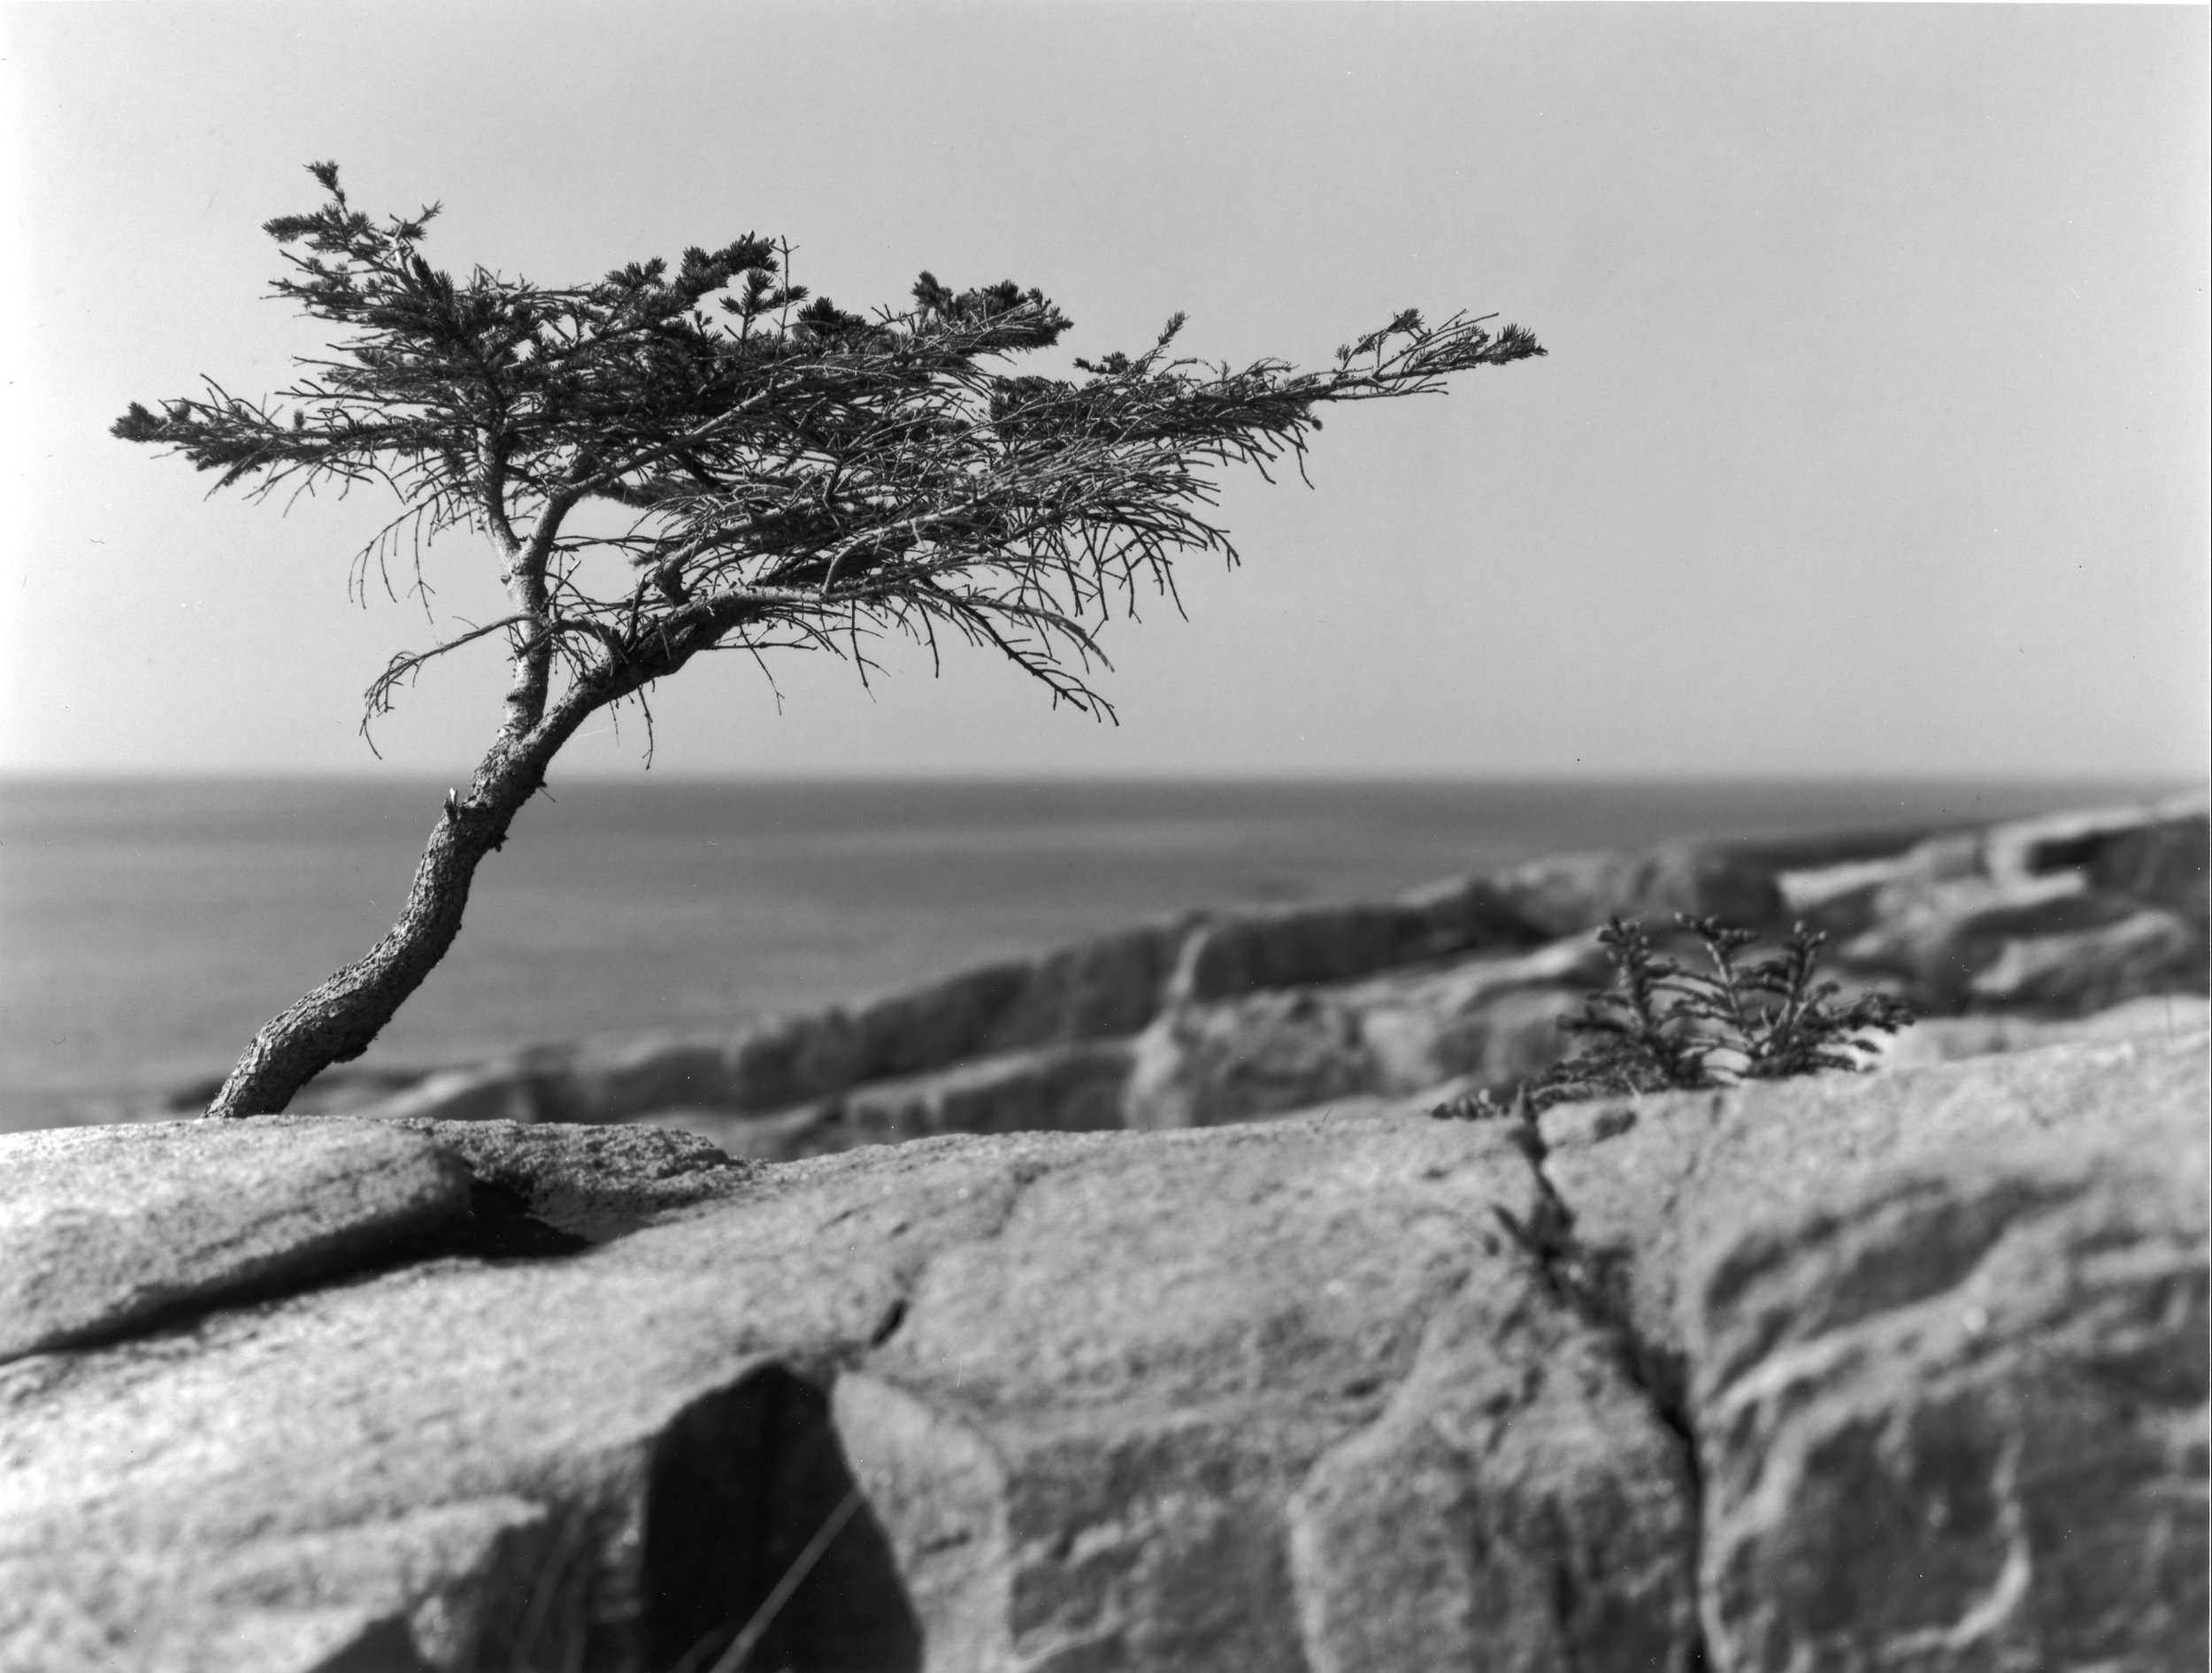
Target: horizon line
column 93, row 776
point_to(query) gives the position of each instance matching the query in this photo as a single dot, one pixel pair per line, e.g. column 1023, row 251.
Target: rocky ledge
column 1903, row 1370
column 1999, row 932
column 1896, row 1371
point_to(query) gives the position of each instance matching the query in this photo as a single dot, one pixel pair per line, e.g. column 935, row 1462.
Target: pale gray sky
column 1873, row 440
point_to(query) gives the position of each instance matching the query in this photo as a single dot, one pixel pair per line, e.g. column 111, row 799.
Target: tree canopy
column 794, row 473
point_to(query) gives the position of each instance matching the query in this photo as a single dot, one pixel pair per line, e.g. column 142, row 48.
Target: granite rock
column 2146, row 953
column 2059, row 915
column 413, row 1465
column 605, row 1457
column 1312, row 945
column 1164, row 1462
column 1951, row 1411
column 1940, row 1335
column 1654, row 1386
column 1653, row 1179
column 1202, row 1065
column 2163, row 863
column 1491, row 1017
column 1942, row 1039
column 1065, row 1089
column 589, row 1182
column 1519, row 1505
column 105, row 1228
column 1574, row 894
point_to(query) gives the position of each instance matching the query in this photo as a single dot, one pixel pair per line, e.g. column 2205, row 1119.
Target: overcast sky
column 1872, row 438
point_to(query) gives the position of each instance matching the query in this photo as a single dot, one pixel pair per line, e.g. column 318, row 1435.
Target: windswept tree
column 663, row 464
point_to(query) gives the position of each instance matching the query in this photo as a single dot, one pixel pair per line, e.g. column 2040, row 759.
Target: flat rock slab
column 102, row 1228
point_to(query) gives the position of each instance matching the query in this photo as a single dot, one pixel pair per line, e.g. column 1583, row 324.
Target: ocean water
column 147, row 928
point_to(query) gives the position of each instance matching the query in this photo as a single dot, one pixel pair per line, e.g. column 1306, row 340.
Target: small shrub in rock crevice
column 1665, row 1027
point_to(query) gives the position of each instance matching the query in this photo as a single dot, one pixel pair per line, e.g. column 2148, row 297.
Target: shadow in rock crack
column 742, row 1485
column 1593, row 1283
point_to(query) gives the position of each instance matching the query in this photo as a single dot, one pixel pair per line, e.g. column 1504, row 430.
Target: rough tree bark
column 337, row 1020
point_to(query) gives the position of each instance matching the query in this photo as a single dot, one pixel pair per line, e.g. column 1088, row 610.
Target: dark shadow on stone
column 739, row 1484
column 387, row 1647
column 501, row 1227
column 497, row 1226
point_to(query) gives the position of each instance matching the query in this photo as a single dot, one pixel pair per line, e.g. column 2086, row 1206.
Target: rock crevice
column 1589, row 1283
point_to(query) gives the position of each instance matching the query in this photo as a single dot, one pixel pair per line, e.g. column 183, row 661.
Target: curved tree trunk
column 335, row 1021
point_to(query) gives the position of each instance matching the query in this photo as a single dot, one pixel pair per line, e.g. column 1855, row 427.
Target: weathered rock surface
column 1576, row 893
column 1894, row 1370
column 1654, row 1180
column 1942, row 1338
column 1304, row 946
column 1942, row 1039
column 1123, row 1448
column 2063, row 914
column 1096, row 990
column 397, row 1461
column 103, row 1228
column 2101, row 964
column 1953, row 1414
column 1521, row 1504
column 1259, row 1055
column 1493, row 1018
column 1069, row 1088
column 400, row 1459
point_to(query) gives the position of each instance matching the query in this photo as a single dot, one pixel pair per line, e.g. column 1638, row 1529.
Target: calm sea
column 147, row 928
